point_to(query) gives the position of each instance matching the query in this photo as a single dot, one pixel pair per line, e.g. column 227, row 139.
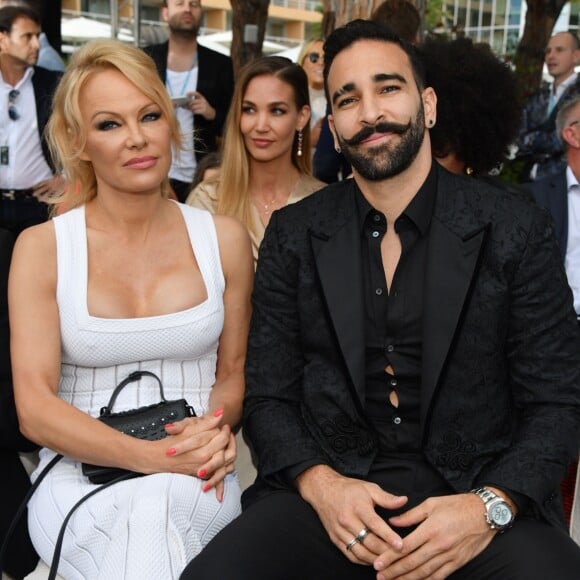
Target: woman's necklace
column 265, row 207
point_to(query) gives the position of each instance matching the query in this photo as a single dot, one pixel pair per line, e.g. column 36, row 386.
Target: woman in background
column 311, row 59
column 266, row 156
column 127, row 280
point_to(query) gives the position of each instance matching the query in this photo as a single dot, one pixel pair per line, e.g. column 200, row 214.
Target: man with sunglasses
column 27, row 175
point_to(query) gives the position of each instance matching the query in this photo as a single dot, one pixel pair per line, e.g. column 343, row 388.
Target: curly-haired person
column 478, row 105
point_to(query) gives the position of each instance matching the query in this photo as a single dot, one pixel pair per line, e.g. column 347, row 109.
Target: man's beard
column 177, row 27
column 391, row 158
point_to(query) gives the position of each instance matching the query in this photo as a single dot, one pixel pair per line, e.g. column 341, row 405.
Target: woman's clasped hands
column 201, row 447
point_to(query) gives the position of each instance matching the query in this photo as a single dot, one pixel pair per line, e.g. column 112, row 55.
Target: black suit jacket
column 552, row 193
column 44, row 82
column 500, row 399
column 215, row 82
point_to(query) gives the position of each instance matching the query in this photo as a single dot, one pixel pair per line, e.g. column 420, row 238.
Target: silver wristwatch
column 498, row 513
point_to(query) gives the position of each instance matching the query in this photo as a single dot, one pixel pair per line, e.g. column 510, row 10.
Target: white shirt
column 179, row 84
column 27, row 165
column 556, row 93
column 572, row 260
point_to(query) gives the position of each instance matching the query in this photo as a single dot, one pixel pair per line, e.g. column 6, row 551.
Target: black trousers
column 19, row 214
column 280, row 537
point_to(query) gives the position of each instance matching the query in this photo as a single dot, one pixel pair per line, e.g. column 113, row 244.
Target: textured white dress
column 152, row 526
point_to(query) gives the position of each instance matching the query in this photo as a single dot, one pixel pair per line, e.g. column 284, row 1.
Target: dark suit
column 215, row 82
column 44, row 82
column 552, row 194
column 538, row 141
column 14, row 482
column 498, row 327
column 500, row 388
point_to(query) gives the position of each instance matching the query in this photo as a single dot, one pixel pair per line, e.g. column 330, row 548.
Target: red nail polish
column 171, row 451
column 201, row 473
column 218, row 413
column 206, row 487
column 169, row 425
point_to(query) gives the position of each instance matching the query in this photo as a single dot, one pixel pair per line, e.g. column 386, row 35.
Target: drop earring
column 299, row 147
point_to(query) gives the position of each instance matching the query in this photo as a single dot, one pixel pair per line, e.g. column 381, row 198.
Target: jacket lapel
column 337, row 254
column 451, row 263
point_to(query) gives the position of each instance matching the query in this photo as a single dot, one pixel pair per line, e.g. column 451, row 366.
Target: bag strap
column 22, row 507
column 134, row 376
column 59, row 541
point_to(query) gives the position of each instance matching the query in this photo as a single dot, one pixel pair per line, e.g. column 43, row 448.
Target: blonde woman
column 127, row 280
column 311, row 59
column 266, row 159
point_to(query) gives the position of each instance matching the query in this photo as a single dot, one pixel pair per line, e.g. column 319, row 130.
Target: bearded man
column 200, row 83
column 413, row 369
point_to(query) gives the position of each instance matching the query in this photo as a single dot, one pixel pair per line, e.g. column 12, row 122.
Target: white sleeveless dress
column 149, row 527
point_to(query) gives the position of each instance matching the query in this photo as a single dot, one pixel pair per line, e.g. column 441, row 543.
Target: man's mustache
column 385, row 127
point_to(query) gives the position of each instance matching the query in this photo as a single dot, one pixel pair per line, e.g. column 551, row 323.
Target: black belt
column 12, row 194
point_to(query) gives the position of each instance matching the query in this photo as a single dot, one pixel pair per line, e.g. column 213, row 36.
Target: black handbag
column 144, row 423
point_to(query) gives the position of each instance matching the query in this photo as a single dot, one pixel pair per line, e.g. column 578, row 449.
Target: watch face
column 500, row 514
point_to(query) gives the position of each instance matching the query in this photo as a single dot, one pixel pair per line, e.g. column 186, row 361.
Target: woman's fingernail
column 169, row 425
column 171, row 451
column 201, row 473
column 218, row 413
column 206, row 487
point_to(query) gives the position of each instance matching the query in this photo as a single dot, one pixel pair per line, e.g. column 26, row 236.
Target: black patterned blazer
column 500, row 400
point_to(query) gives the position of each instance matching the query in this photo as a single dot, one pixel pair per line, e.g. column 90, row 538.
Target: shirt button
column 378, row 291
column 390, row 348
column 377, row 217
column 397, row 420
column 375, row 234
column 393, row 382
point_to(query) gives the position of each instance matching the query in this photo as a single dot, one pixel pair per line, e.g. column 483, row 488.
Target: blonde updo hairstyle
column 66, row 132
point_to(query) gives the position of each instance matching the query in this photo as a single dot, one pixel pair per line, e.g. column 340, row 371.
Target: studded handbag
column 143, row 423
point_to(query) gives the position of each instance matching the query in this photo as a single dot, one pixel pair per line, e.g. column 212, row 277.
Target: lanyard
column 186, row 81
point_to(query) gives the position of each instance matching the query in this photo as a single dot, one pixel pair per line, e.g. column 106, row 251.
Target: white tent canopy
column 78, row 30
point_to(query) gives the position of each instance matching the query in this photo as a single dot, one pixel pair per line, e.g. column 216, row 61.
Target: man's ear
column 333, row 131
column 570, row 137
column 3, row 39
column 429, row 99
column 164, row 14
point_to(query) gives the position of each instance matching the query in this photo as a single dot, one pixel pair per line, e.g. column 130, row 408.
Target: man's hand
column 346, row 506
column 451, row 531
column 45, row 190
column 199, row 105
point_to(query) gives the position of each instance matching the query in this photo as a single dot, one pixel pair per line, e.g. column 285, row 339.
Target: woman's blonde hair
column 307, row 48
column 66, row 132
column 233, row 190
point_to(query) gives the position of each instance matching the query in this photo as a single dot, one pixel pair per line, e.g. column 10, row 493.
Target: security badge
column 4, row 155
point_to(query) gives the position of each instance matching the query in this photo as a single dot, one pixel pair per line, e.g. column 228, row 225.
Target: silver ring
column 352, row 544
column 362, row 535
column 359, row 539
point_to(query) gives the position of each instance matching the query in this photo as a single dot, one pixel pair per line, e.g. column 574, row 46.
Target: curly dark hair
column 478, row 102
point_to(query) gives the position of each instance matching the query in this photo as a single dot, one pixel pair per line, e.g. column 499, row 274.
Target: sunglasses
column 12, row 110
column 314, row 57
